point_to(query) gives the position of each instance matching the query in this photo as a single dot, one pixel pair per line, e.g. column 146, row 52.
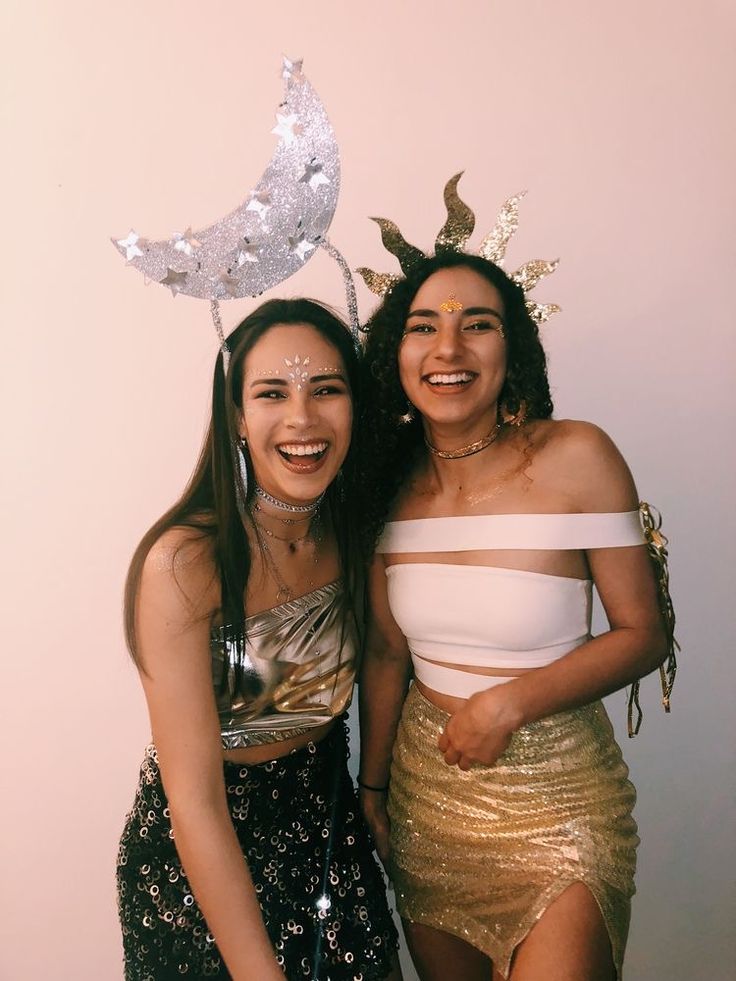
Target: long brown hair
column 209, row 505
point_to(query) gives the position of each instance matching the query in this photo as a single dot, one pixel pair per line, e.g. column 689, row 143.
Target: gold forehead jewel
column 451, row 305
column 453, row 237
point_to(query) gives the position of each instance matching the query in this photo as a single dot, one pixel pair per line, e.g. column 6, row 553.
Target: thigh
column 438, row 956
column 568, row 943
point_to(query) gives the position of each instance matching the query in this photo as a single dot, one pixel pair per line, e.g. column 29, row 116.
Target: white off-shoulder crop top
column 478, row 615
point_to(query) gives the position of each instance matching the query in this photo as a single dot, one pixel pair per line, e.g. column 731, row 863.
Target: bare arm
column 635, row 644
column 383, row 682
column 172, row 628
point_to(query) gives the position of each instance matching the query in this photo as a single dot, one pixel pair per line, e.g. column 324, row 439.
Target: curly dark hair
column 388, row 449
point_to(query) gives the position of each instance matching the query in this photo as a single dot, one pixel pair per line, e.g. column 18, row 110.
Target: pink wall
column 617, row 117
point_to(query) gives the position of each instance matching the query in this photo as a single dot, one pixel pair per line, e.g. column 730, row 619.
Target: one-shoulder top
column 486, row 615
column 291, row 669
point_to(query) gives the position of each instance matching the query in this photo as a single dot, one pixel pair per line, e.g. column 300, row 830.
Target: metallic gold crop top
column 293, row 670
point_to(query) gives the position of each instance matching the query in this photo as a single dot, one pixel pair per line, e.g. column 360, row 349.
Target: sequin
column 306, row 907
column 481, row 854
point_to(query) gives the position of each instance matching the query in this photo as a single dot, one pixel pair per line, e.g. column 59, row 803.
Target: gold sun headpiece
column 453, row 237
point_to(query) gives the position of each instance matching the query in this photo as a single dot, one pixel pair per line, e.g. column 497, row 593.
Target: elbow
column 657, row 647
column 194, row 802
column 386, row 655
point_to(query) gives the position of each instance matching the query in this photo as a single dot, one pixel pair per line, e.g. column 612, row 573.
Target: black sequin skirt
column 310, row 857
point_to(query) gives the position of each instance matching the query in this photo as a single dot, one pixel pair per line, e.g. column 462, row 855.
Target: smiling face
column 452, row 358
column 297, row 411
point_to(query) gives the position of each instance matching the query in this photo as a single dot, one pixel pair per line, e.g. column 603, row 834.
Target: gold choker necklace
column 469, row 450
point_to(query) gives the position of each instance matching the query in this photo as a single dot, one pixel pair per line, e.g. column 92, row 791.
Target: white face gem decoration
column 298, row 373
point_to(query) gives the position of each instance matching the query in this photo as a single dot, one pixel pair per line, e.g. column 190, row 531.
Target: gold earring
column 517, row 418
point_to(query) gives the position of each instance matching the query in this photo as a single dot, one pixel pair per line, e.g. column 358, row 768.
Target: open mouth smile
column 303, row 455
column 455, row 380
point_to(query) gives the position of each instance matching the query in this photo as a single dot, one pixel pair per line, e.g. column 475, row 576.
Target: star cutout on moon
column 313, row 175
column 287, row 128
column 231, row 284
column 174, row 280
column 300, row 246
column 291, row 69
column 260, row 202
column 132, row 245
column 248, row 252
column 185, row 242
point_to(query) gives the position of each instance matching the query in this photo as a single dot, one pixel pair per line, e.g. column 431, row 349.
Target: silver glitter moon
column 274, row 231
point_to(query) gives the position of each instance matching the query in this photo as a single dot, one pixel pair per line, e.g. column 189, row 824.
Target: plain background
column 617, row 117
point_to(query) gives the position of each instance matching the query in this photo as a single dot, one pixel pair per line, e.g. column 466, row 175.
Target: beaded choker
column 296, row 508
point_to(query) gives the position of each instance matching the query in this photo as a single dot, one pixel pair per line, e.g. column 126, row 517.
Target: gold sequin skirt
column 481, row 854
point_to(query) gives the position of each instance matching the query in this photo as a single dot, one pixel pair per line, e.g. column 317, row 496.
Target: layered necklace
column 313, row 534
column 469, row 450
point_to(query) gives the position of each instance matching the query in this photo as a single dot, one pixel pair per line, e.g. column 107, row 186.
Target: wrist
column 505, row 705
column 370, row 787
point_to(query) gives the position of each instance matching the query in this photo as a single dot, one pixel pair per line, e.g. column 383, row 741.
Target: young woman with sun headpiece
column 493, row 785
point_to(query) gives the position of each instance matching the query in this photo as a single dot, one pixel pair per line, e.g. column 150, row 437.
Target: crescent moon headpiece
column 453, row 236
column 274, row 231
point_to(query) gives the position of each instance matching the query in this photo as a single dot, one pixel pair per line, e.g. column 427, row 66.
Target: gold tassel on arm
column 651, row 522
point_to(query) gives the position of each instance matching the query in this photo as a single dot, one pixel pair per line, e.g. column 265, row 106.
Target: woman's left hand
column 481, row 730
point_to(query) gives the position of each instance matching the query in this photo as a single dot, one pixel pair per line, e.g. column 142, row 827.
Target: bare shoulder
column 585, row 458
column 179, row 573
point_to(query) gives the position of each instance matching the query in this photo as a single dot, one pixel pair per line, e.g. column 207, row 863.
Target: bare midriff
column 272, row 751
column 451, row 703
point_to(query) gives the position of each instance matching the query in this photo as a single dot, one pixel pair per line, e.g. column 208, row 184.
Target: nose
column 301, row 410
column 447, row 342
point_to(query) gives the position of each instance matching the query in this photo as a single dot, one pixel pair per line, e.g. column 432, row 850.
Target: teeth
column 454, row 379
column 303, row 449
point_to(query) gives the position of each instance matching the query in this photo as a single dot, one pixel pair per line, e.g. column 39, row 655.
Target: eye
column 419, row 329
column 480, row 326
column 329, row 390
column 271, row 393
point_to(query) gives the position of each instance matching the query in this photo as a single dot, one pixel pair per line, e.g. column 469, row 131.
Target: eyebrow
column 469, row 312
column 337, row 376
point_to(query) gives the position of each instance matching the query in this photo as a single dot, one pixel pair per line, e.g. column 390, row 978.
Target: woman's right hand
column 373, row 805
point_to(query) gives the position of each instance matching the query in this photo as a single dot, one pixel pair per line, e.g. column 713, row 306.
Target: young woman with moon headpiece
column 505, row 815
column 245, row 855
column 244, row 631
